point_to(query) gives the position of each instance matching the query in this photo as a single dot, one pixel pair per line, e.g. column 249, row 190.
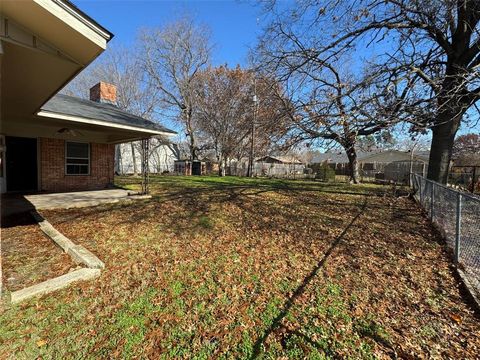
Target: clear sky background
column 235, row 24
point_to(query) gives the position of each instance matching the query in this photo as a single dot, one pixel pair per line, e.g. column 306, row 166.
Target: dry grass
column 252, row 268
column 28, row 256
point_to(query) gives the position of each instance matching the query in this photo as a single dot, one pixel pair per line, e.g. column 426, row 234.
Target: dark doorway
column 21, row 163
column 196, row 168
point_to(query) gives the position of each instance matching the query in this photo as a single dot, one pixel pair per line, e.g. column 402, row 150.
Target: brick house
column 48, row 141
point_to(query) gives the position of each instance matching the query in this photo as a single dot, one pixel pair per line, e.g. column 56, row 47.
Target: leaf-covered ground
column 241, row 268
column 29, row 257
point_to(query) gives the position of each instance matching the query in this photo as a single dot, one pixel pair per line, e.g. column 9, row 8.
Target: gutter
column 73, row 10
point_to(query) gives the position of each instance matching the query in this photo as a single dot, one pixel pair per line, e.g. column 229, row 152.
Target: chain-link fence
column 457, row 215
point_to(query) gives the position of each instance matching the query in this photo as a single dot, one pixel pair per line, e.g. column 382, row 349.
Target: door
column 196, row 168
column 21, row 163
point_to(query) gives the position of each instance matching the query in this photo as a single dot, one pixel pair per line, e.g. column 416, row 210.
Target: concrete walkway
column 77, row 199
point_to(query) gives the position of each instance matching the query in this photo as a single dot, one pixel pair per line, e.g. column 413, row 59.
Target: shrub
column 324, row 172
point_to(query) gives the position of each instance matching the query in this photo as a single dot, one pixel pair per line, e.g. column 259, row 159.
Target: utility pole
column 252, row 143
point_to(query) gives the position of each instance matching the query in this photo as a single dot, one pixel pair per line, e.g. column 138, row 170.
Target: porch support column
column 145, row 162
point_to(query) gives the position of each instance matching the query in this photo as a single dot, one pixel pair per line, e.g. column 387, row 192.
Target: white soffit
column 78, row 119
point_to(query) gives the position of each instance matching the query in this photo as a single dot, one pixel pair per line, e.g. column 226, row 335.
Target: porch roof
column 70, row 108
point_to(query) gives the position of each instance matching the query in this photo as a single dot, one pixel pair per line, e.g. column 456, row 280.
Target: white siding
column 161, row 159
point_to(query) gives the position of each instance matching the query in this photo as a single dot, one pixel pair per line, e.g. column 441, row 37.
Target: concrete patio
column 76, row 199
column 17, row 204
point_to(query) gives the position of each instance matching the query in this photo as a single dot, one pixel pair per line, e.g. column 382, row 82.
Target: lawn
column 246, row 268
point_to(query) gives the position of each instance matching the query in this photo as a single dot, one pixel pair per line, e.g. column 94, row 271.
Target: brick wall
column 52, row 167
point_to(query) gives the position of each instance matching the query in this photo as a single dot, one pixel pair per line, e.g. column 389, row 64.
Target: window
column 77, row 160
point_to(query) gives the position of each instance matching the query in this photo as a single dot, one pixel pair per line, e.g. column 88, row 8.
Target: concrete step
column 53, row 284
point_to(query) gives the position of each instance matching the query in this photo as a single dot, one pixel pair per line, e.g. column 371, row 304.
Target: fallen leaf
column 456, row 318
column 41, row 343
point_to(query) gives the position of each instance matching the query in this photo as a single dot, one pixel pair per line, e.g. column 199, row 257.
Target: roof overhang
column 86, row 130
column 115, row 133
column 45, row 43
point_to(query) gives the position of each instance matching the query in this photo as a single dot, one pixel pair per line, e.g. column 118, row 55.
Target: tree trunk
column 118, row 159
column 193, row 148
column 352, row 160
column 443, row 136
column 134, row 159
column 221, row 167
column 224, row 167
column 192, row 145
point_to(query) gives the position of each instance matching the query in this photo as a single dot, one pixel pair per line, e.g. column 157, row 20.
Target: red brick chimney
column 104, row 93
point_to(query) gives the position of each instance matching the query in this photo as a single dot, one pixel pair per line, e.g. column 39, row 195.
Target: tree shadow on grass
column 300, row 289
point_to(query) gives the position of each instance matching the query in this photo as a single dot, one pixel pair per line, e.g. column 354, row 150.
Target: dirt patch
column 29, row 257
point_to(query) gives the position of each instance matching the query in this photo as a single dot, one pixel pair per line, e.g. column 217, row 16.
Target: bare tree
column 225, row 113
column 428, row 51
column 172, row 56
column 222, row 112
column 327, row 104
column 135, row 93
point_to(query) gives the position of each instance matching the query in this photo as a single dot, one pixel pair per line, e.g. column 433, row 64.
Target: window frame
column 70, row 157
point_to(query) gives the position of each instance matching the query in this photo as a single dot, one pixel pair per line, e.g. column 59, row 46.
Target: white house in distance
column 161, row 159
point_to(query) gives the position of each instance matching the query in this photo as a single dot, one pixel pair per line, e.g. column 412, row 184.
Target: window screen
column 77, row 161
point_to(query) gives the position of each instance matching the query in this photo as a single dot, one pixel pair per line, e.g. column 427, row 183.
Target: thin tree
column 225, row 113
column 222, row 111
column 172, row 56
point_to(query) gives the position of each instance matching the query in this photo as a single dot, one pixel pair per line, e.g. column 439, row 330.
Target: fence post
column 421, row 188
column 432, row 202
column 458, row 227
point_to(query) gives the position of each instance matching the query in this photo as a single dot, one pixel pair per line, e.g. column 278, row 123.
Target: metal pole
column 458, row 227
column 251, row 161
column 411, row 164
column 421, row 187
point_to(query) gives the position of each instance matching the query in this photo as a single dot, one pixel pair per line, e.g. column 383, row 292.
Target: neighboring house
column 381, row 164
column 271, row 166
column 285, row 160
column 369, row 160
column 51, row 142
column 162, row 157
column 278, row 166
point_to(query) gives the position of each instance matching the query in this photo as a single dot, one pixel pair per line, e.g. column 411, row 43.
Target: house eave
column 85, row 19
column 103, row 124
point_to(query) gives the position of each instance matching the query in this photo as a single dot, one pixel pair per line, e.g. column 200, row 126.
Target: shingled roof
column 367, row 156
column 86, row 109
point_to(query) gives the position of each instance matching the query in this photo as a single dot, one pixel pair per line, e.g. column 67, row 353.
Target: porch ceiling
column 40, row 126
column 29, row 78
column 43, row 45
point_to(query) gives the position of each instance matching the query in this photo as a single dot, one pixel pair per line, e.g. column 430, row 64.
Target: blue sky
column 234, row 24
